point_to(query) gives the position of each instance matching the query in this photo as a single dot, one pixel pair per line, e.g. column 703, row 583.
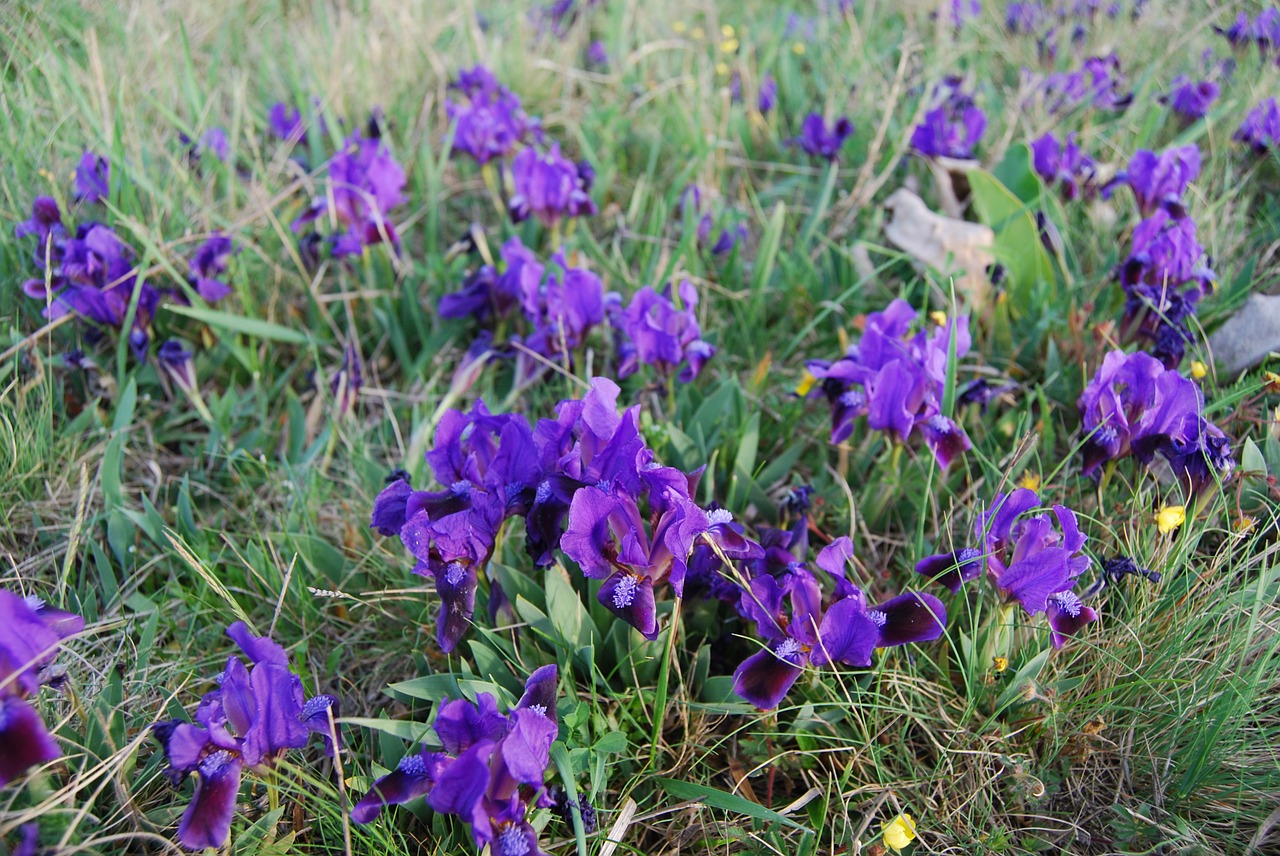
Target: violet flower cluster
column 560, row 304
column 1064, row 164
column 550, row 187
column 589, row 466
column 821, row 140
column 92, row 179
column 1260, row 130
column 1262, row 32
column 1099, row 83
column 256, row 714
column 654, row 331
column 801, row 626
column 364, row 183
column 729, row 237
column 896, row 380
column 490, row 123
column 1136, row 405
column 953, row 126
column 1031, row 561
column 91, row 273
column 1166, row 272
column 30, row 633
column 1190, row 98
column 489, row 769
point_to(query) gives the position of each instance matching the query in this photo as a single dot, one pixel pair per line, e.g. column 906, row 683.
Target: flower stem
column 664, row 674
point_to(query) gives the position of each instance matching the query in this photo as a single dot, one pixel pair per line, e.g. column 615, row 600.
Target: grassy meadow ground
column 1157, row 730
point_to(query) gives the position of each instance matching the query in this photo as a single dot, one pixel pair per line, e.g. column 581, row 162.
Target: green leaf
column 568, row 616
column 613, row 743
column 427, row 687
column 767, row 255
column 1017, row 244
column 405, row 730
column 727, row 802
column 252, row 327
column 125, row 406
column 1027, row 674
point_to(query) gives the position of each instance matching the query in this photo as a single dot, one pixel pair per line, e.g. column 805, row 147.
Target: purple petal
column 278, row 723
column 952, row 570
column 460, row 785
column 259, row 648
column 630, row 597
column 413, row 778
column 1067, row 615
column 764, row 678
column 461, row 724
column 911, row 617
column 207, row 821
column 540, row 691
column 526, row 750
column 847, row 635
column 24, row 740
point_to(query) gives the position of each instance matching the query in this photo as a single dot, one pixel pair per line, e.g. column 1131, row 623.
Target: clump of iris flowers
column 550, row 187
column 257, row 713
column 30, row 634
column 1099, row 84
column 1033, row 560
column 589, row 467
column 821, row 140
column 1064, row 164
column 1261, row 128
column 1136, row 405
column 364, row 183
column 1189, row 98
column 952, row 127
column 802, row 626
column 896, row 379
column 490, row 123
column 1166, row 273
column 653, row 330
column 559, row 302
column 488, row 768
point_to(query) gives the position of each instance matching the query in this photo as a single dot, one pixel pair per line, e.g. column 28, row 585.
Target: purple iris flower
column 92, row 276
column 490, row 772
column 1098, row 83
column 1064, row 164
column 662, row 335
column 214, row 141
column 597, row 56
column 963, row 11
column 92, row 181
column 953, row 127
column 953, row 569
column 492, row 122
column 1164, row 278
column 285, row 122
column 45, row 223
column 1025, row 18
column 549, row 186
column 1159, row 181
column 208, row 264
column 365, row 183
column 767, row 97
column 846, row 631
column 30, row 633
column 896, row 380
column 823, row 141
column 255, row 715
column 1191, row 98
column 177, row 364
column 1261, row 128
column 1134, row 404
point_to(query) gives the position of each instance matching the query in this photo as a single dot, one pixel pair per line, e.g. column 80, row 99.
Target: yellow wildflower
column 729, row 45
column 899, row 832
column 727, row 31
column 722, row 69
column 797, row 48
column 1031, row 481
column 678, row 26
column 1170, row 517
column 807, row 381
column 938, row 317
column 999, row 663
column 1198, row 369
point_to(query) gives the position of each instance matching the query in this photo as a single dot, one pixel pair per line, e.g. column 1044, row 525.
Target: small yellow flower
column 938, row 317
column 729, row 45
column 1198, row 369
column 722, row 69
column 1170, row 517
column 807, row 381
column 798, row 48
column 698, row 33
column 1271, row 381
column 1244, row 523
column 679, row 26
column 727, row 31
column 1031, row 481
column 899, row 832
column 999, row 663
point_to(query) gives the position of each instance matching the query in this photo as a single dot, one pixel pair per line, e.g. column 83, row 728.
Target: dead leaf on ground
column 947, row 245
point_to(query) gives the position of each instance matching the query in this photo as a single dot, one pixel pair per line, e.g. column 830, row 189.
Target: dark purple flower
column 549, row 187
column 92, row 182
column 285, row 123
column 1064, row 164
column 208, row 263
column 1261, row 128
column 365, row 183
column 45, row 223
column 896, row 380
column 820, row 140
column 1159, row 181
column 1098, row 84
column 255, row 715
column 24, row 739
column 597, row 56
column 661, row 335
column 492, row 123
column 1067, row 616
column 1190, row 98
column 1025, row 18
column 954, row 569
column 953, row 127
column 767, row 97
